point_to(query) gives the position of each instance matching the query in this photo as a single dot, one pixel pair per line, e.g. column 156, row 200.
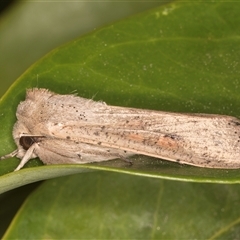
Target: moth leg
column 10, row 155
column 125, row 160
column 26, row 157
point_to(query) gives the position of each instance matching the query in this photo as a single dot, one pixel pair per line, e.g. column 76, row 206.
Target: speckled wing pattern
column 71, row 129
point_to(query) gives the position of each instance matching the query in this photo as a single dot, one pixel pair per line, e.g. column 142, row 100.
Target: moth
column 61, row 129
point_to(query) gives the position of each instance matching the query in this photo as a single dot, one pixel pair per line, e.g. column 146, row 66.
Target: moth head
column 26, row 142
column 23, row 139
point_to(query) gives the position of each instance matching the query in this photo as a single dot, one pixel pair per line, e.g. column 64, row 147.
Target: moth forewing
column 70, row 129
column 200, row 140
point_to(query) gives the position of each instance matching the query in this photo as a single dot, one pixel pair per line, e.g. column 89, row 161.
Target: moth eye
column 26, row 142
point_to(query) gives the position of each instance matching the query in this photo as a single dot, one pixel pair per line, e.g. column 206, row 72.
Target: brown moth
column 62, row 129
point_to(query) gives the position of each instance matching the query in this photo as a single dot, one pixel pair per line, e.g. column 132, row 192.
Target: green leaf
column 28, row 31
column 103, row 205
column 181, row 57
